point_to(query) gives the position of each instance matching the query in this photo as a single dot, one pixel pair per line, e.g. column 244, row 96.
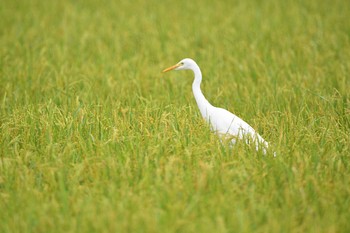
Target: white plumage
column 223, row 122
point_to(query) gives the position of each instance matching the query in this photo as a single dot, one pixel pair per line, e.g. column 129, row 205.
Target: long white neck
column 202, row 102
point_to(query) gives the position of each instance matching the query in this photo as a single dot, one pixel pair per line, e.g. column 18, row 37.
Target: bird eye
column 181, row 63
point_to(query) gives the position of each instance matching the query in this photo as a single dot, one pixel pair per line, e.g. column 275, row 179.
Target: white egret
column 223, row 122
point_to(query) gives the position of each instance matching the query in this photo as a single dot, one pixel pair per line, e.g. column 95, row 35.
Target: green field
column 94, row 138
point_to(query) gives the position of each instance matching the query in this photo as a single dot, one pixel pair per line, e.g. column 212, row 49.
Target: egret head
column 184, row 64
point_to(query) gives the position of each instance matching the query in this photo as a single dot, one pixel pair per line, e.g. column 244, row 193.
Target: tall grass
column 93, row 138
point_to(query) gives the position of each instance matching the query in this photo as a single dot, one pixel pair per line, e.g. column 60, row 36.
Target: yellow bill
column 171, row 68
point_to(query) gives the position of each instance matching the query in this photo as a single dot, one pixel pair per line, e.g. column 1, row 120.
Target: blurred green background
column 94, row 138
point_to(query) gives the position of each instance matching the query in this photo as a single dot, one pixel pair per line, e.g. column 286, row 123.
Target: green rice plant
column 93, row 138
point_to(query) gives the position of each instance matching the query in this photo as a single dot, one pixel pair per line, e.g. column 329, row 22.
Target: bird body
column 223, row 122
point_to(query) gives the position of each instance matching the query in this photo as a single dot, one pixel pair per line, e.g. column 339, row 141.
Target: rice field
column 94, row 138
